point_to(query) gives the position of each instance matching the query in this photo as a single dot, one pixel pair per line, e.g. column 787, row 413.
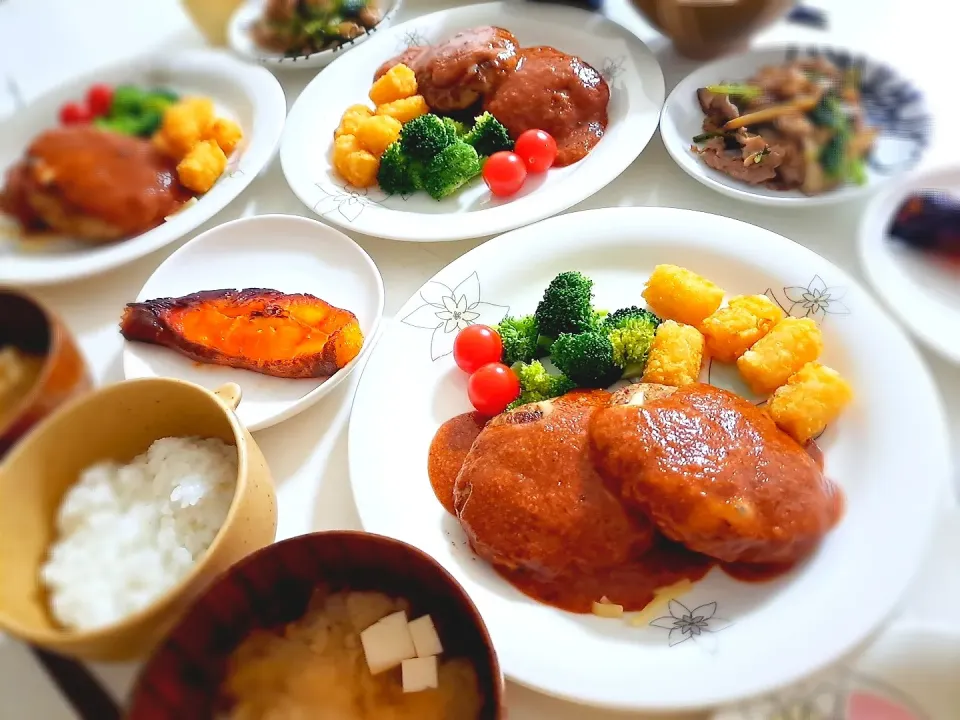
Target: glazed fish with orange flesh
column 266, row 331
column 714, row 472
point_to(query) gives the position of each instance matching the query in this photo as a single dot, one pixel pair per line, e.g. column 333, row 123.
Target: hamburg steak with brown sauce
column 92, row 184
column 529, row 498
column 714, row 472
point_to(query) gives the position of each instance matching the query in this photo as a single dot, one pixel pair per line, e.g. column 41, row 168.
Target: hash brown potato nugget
column 812, row 398
column 731, row 330
column 184, row 124
column 406, row 109
column 360, row 168
column 676, row 355
column 791, row 344
column 202, row 166
column 675, row 293
column 376, row 133
column 398, row 83
column 226, row 133
column 351, row 119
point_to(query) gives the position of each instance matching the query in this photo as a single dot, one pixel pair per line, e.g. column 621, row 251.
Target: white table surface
column 45, row 42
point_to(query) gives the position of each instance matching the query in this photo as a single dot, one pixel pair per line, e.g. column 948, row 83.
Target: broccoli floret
column 631, row 331
column 519, row 336
column 455, row 129
column 566, row 306
column 424, row 137
column 124, row 125
column 586, row 358
column 451, row 169
column 537, row 384
column 488, row 135
column 398, row 174
column 127, row 100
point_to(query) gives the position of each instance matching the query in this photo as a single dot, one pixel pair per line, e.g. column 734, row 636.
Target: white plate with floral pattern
column 248, row 94
column 627, row 65
column 724, row 640
column 241, row 41
column 891, row 103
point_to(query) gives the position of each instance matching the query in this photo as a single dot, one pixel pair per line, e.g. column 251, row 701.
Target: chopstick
column 79, row 687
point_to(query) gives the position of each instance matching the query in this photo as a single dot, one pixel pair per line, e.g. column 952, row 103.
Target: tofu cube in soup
column 731, row 330
column 675, row 293
column 387, row 643
column 791, row 344
column 425, row 638
column 812, row 398
column 676, row 355
column 419, row 674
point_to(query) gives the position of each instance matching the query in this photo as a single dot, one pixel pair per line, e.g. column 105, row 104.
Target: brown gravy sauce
column 632, row 585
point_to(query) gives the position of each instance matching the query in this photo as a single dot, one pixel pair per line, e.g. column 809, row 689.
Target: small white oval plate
column 893, row 105
column 288, row 253
column 921, row 290
column 889, row 451
column 238, row 34
column 248, row 94
column 636, row 94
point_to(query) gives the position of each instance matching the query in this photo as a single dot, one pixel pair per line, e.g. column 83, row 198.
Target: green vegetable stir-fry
column 311, row 26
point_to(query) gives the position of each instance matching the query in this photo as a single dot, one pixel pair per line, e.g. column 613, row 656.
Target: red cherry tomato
column 99, row 99
column 492, row 388
column 537, row 149
column 476, row 345
column 73, row 113
column 504, row 173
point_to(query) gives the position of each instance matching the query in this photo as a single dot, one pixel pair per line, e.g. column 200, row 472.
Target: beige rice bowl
column 126, row 534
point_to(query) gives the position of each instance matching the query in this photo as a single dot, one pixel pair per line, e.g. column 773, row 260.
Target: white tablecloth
column 45, row 42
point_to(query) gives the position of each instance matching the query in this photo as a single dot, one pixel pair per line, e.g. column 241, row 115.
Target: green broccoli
column 451, row 169
column 586, row 358
column 537, row 384
column 123, row 125
column 455, row 129
column 424, row 137
column 398, row 174
column 631, row 331
column 519, row 336
column 488, row 135
column 565, row 307
column 127, row 100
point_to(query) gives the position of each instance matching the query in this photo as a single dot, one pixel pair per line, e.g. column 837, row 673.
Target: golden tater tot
column 184, row 124
column 360, row 168
column 731, row 330
column 343, row 146
column 812, row 398
column 398, row 83
column 351, row 119
column 200, row 168
column 791, row 344
column 405, row 110
column 226, row 133
column 676, row 355
column 376, row 133
column 675, row 293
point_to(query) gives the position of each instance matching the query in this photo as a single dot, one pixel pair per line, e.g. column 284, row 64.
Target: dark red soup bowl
column 271, row 587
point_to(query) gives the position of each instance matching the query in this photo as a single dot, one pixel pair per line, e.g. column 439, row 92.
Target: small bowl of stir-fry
column 783, row 126
column 305, row 33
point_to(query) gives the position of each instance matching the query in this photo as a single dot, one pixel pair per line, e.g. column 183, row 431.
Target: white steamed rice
column 128, row 533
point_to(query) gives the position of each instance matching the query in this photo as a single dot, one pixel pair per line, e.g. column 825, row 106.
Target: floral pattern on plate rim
column 348, row 201
column 698, row 624
column 446, row 311
column 890, row 102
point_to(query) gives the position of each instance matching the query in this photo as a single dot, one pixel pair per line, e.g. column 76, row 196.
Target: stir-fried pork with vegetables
column 303, row 27
column 797, row 126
